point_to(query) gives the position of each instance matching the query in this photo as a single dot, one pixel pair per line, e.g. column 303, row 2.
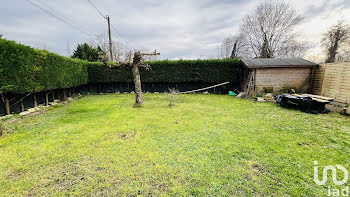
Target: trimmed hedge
column 24, row 69
column 181, row 71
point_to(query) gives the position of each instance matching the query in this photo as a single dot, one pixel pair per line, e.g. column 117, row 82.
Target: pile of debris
column 305, row 102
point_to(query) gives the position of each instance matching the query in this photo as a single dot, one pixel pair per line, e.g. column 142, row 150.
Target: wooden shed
column 258, row 75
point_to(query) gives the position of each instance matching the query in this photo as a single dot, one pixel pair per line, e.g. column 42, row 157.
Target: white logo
column 334, row 174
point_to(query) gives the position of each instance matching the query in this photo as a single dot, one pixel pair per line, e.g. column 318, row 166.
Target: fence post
column 21, row 105
column 46, row 99
column 7, row 106
column 59, row 95
column 64, row 94
column 34, row 100
column 53, row 96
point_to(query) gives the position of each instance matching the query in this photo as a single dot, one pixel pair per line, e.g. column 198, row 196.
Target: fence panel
column 333, row 80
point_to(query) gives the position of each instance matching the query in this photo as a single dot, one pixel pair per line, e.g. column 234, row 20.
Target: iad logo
column 334, row 174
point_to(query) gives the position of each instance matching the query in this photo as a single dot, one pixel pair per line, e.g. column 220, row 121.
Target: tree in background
column 87, row 52
column 269, row 31
column 232, row 47
column 336, row 42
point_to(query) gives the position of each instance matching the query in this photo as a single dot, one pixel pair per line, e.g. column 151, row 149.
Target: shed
column 276, row 74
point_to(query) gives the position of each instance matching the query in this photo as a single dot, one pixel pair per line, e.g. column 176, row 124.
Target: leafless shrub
column 172, row 95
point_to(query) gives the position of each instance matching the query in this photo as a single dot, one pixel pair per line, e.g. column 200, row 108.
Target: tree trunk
column 137, row 81
column 21, row 105
column 46, row 99
column 34, row 101
column 7, row 106
column 69, row 92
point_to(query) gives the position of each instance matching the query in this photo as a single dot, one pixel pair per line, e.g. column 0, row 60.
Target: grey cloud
column 177, row 28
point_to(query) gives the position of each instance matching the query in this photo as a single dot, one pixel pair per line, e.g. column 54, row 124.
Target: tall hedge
column 166, row 71
column 24, row 69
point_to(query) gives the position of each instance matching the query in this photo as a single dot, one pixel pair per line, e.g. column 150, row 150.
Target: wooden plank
column 319, row 97
column 321, row 100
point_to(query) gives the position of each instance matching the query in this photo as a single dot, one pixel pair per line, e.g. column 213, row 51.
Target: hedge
column 24, row 69
column 166, row 71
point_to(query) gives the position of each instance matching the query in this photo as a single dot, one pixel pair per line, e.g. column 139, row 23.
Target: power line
column 97, row 10
column 60, row 19
column 63, row 16
column 113, row 27
column 119, row 34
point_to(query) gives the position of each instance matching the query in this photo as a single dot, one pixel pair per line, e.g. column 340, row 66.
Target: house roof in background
column 277, row 63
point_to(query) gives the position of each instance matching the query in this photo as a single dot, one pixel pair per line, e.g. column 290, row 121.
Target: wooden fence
column 333, row 80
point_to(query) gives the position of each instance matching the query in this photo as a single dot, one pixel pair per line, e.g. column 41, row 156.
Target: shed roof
column 277, row 63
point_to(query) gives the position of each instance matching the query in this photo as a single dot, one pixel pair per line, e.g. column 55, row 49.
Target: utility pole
column 110, row 38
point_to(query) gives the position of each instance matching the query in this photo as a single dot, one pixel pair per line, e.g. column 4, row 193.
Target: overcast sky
column 188, row 29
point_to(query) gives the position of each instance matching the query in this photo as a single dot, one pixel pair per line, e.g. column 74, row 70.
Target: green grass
column 204, row 145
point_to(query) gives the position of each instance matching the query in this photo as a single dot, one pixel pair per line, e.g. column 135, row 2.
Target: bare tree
column 344, row 54
column 135, row 65
column 119, row 49
column 232, row 47
column 335, row 40
column 137, row 62
column 68, row 51
column 269, row 31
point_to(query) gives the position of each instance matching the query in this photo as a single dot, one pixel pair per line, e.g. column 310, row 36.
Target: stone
column 260, row 99
column 346, row 111
column 242, row 95
column 70, row 99
column 206, row 92
column 30, row 110
column 24, row 113
column 6, row 117
column 269, row 95
column 36, row 108
column 56, row 101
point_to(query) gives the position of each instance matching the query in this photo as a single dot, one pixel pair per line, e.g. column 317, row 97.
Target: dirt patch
column 128, row 135
column 303, row 144
column 14, row 175
column 254, row 166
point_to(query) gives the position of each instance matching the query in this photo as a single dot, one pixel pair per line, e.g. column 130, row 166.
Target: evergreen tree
column 87, row 52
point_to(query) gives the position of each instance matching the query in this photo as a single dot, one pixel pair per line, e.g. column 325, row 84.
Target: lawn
column 213, row 145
